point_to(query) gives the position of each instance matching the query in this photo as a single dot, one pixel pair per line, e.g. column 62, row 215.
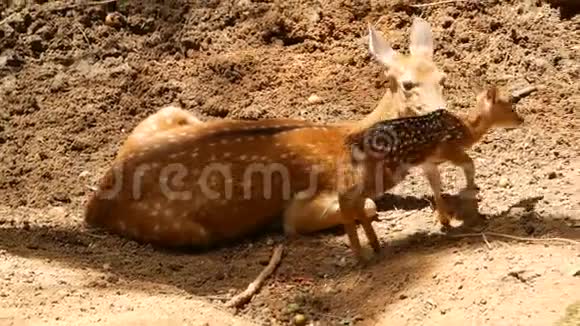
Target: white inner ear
column 379, row 48
column 421, row 38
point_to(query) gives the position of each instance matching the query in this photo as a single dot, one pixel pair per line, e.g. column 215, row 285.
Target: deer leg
column 351, row 204
column 322, row 212
column 464, row 161
column 434, row 178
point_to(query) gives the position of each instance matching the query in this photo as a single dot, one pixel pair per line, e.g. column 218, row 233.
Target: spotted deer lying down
column 199, row 186
column 416, row 86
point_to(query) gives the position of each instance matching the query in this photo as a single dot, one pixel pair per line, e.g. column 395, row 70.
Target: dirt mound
column 73, row 86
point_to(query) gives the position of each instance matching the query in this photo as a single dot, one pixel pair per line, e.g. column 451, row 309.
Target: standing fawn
column 415, row 88
column 491, row 111
column 216, row 193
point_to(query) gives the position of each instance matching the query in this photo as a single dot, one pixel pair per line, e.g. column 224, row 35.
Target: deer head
column 498, row 111
column 415, row 76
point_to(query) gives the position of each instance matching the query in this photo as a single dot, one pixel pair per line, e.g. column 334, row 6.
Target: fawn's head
column 497, row 110
column 415, row 76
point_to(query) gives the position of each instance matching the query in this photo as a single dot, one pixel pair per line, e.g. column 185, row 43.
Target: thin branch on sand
column 513, row 237
column 421, row 5
column 252, row 289
column 521, row 93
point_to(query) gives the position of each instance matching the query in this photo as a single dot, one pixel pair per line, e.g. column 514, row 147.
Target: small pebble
column 314, row 99
column 115, row 19
column 341, row 262
column 504, row 182
column 299, row 320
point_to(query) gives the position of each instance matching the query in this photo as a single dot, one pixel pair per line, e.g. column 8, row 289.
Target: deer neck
column 388, row 108
column 478, row 126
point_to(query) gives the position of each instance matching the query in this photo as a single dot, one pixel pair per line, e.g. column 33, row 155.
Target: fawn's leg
column 432, row 173
column 351, row 204
column 469, row 194
column 318, row 213
column 464, row 161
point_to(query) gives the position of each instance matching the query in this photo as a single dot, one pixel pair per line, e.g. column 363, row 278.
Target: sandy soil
column 71, row 88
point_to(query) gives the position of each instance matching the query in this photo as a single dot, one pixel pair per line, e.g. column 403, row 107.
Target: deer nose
column 408, row 85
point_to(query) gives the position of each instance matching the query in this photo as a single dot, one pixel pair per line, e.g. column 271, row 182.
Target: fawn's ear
column 491, row 95
column 421, row 43
column 379, row 48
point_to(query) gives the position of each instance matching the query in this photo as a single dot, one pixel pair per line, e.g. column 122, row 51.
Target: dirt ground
column 71, row 88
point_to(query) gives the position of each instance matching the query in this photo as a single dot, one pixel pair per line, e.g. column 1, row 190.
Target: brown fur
column 347, row 161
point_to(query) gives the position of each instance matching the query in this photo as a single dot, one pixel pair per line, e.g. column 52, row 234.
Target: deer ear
column 379, row 48
column 491, row 94
column 421, row 38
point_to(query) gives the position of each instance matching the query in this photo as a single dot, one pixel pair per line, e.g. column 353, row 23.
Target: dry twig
column 513, row 237
column 437, row 3
column 485, row 240
column 517, row 95
column 84, row 35
column 83, row 4
column 8, row 17
column 98, row 236
column 247, row 294
column 216, row 297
